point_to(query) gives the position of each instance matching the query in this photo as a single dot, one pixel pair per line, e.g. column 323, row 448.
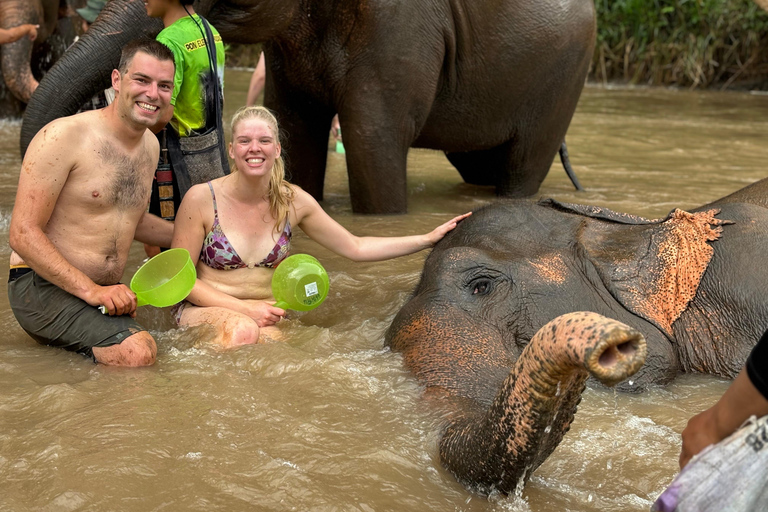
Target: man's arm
column 153, row 230
column 44, row 171
column 740, row 401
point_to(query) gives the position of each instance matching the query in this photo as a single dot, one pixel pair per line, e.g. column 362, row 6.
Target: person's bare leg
column 136, row 350
column 232, row 328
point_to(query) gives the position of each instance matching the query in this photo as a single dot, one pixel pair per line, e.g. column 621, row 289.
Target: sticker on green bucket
column 300, row 283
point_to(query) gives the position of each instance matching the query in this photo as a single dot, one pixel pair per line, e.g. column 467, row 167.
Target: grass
column 688, row 43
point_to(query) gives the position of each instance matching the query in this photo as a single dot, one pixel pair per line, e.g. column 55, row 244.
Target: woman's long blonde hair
column 279, row 192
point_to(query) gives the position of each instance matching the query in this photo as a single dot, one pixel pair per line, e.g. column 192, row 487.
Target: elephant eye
column 482, row 287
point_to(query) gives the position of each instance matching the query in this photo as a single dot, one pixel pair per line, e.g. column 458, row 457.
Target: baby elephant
column 689, row 283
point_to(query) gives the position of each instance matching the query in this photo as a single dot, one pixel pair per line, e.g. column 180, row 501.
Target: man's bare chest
column 110, row 179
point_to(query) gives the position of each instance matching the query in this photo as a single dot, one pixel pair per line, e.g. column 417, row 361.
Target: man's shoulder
column 70, row 128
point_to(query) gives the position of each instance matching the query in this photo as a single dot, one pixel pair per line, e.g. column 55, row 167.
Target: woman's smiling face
column 254, row 147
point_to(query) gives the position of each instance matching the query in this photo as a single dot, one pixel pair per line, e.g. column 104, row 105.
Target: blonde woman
column 238, row 229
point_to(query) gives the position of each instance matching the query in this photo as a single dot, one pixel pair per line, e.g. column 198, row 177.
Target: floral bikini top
column 219, row 254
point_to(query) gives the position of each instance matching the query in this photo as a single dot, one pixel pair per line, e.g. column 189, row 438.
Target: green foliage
column 693, row 43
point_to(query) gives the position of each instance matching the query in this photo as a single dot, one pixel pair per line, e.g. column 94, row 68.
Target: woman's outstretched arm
column 320, row 227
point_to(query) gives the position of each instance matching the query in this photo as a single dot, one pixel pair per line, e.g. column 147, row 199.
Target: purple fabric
column 218, row 253
column 668, row 500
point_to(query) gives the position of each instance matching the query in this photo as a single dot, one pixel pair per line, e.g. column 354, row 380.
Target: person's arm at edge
column 189, row 233
column 258, row 78
column 154, row 230
column 320, row 227
column 740, row 401
column 44, row 171
column 11, row 35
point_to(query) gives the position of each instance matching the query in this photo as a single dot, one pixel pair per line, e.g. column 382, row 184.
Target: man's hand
column 117, row 299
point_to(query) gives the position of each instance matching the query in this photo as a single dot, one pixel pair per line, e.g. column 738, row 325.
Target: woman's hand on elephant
column 262, row 312
column 440, row 231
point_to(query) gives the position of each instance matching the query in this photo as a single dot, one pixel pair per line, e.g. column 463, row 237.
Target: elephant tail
column 567, row 166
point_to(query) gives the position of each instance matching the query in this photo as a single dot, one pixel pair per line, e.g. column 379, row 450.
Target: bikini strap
column 213, row 196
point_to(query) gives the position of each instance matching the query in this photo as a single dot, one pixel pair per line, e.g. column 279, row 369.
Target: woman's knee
column 238, row 331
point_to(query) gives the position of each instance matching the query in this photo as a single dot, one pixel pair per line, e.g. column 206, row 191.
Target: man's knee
column 137, row 350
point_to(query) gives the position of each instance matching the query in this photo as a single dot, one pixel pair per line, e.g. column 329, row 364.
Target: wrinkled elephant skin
column 494, row 85
column 688, row 283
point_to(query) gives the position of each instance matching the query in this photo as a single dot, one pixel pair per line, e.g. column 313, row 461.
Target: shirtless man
column 82, row 198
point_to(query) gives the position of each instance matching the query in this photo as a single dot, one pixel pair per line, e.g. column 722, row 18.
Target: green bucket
column 164, row 279
column 300, row 283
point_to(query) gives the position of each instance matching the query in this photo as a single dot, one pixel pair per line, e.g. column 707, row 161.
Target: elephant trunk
column 499, row 449
column 86, row 67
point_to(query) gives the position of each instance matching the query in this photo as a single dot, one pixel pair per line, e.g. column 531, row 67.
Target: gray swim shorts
column 56, row 318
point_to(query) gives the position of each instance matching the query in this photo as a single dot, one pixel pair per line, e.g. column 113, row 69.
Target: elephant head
column 495, row 281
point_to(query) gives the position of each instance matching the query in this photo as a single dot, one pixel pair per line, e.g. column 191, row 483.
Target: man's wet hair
column 146, row 45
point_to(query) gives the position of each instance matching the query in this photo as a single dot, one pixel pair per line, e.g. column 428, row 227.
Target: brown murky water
column 330, row 419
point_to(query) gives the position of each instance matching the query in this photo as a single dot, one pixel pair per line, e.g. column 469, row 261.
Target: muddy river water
column 330, row 419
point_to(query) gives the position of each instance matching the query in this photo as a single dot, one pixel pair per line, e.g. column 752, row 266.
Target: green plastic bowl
column 165, row 279
column 300, row 283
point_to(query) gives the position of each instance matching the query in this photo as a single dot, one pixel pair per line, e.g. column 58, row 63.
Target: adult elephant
column 494, row 84
column 691, row 284
column 23, row 59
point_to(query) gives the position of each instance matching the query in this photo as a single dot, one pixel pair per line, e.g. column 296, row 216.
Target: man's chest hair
column 125, row 179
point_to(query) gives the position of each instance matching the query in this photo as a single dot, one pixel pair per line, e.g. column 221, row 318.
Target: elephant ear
column 652, row 267
column 597, row 212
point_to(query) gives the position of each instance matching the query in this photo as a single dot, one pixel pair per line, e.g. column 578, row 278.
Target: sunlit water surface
column 330, row 419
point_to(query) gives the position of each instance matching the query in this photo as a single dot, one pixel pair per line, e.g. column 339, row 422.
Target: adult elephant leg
column 376, row 165
column 305, row 124
column 305, row 147
column 498, row 449
column 376, row 141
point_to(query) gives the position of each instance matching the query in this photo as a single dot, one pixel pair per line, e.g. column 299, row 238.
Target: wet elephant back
column 756, row 193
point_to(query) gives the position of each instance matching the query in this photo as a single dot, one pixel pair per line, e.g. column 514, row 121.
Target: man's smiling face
column 145, row 89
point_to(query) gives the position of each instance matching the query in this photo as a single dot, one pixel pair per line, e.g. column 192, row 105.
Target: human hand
column 263, row 313
column 336, row 128
column 116, row 300
column 697, row 435
column 31, row 31
column 440, row 231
